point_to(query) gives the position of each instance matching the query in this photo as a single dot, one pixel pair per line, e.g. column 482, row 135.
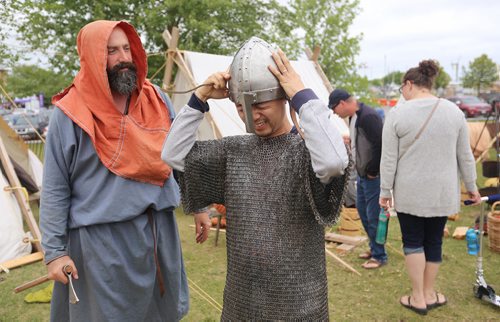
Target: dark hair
column 423, row 75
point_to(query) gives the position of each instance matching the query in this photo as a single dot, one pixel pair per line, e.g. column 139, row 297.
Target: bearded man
column 279, row 190
column 108, row 199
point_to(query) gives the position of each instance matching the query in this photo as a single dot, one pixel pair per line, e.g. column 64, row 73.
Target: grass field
column 372, row 296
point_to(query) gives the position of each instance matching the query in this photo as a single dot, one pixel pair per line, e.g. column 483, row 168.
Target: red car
column 472, row 106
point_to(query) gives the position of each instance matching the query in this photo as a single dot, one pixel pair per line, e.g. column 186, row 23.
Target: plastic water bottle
column 383, row 223
column 472, row 242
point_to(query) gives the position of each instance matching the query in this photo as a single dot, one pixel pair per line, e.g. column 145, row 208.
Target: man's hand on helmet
column 286, row 75
column 216, row 87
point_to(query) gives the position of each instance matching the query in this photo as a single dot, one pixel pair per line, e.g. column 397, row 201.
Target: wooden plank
column 28, row 259
column 21, row 198
column 343, row 239
column 345, row 248
column 460, row 232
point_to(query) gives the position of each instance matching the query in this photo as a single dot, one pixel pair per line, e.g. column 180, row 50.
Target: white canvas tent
column 222, row 119
column 14, row 241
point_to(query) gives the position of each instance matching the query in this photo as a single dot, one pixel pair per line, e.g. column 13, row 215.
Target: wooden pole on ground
column 338, row 259
column 21, row 198
column 28, row 259
column 33, row 283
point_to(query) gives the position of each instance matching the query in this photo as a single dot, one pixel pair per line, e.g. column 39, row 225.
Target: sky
column 398, row 34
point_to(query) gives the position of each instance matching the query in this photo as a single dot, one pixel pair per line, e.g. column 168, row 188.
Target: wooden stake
column 343, row 239
column 32, row 283
column 338, row 259
column 20, row 197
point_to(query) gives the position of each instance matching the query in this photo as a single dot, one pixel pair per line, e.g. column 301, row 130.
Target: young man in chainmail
column 279, row 190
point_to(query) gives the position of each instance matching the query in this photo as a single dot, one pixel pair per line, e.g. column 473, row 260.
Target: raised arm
column 324, row 141
column 182, row 134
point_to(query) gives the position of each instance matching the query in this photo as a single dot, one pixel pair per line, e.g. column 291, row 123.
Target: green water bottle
column 383, row 223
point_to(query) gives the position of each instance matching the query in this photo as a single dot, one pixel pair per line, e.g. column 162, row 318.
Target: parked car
column 24, row 124
column 471, row 106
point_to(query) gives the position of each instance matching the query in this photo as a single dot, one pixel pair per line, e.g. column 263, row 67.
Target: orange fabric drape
column 128, row 145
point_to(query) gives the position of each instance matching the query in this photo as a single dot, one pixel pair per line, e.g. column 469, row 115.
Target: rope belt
column 159, row 275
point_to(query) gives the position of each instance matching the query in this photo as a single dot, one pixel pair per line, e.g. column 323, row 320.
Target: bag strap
column 421, row 129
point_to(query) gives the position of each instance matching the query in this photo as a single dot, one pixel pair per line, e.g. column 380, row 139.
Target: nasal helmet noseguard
column 251, row 81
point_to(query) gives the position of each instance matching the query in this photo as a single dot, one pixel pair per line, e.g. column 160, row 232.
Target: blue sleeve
column 302, row 97
column 56, row 188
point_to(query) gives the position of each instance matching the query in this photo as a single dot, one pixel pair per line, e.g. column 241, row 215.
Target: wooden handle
column 32, row 283
column 67, row 269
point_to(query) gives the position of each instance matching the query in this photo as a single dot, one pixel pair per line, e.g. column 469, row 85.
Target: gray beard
column 124, row 82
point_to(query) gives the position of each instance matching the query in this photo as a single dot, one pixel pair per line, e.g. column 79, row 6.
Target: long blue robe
column 100, row 221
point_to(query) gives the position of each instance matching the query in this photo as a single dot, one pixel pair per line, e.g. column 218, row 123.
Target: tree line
column 50, row 27
column 219, row 27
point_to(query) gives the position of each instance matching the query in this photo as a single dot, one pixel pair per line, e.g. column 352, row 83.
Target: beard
column 122, row 82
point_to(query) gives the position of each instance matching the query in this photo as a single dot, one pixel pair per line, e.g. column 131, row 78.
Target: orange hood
column 128, row 145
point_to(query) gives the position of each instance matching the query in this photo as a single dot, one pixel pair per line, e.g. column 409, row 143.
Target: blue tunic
column 100, row 221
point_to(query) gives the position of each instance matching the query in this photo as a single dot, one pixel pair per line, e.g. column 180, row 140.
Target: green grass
column 372, row 296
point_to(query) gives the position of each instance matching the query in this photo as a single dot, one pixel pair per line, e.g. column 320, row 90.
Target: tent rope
column 22, row 115
column 23, row 189
column 187, row 91
column 205, row 295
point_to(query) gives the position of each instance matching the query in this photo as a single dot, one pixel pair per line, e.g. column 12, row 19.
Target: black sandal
column 437, row 303
column 411, row 307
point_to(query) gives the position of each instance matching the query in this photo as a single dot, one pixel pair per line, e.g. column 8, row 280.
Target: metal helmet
column 251, row 81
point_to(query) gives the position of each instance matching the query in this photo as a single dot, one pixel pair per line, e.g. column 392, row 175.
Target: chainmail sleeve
column 325, row 200
column 202, row 182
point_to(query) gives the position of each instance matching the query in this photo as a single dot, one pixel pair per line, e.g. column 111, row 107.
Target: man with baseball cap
column 366, row 142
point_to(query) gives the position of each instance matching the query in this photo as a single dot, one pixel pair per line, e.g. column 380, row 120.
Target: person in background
column 365, row 127
column 425, row 152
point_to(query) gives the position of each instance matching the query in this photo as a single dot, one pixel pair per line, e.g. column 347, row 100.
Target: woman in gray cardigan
column 425, row 152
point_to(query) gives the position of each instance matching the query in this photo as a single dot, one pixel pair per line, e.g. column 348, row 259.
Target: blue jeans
column 368, row 194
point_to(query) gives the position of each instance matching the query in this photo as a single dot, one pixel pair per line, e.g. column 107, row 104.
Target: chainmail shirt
column 276, row 209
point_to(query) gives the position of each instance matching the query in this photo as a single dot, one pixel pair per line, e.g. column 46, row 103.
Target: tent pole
column 314, row 57
column 21, row 198
column 171, row 41
column 173, row 55
column 185, row 69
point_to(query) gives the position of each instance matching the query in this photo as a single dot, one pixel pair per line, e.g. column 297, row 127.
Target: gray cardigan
column 426, row 180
